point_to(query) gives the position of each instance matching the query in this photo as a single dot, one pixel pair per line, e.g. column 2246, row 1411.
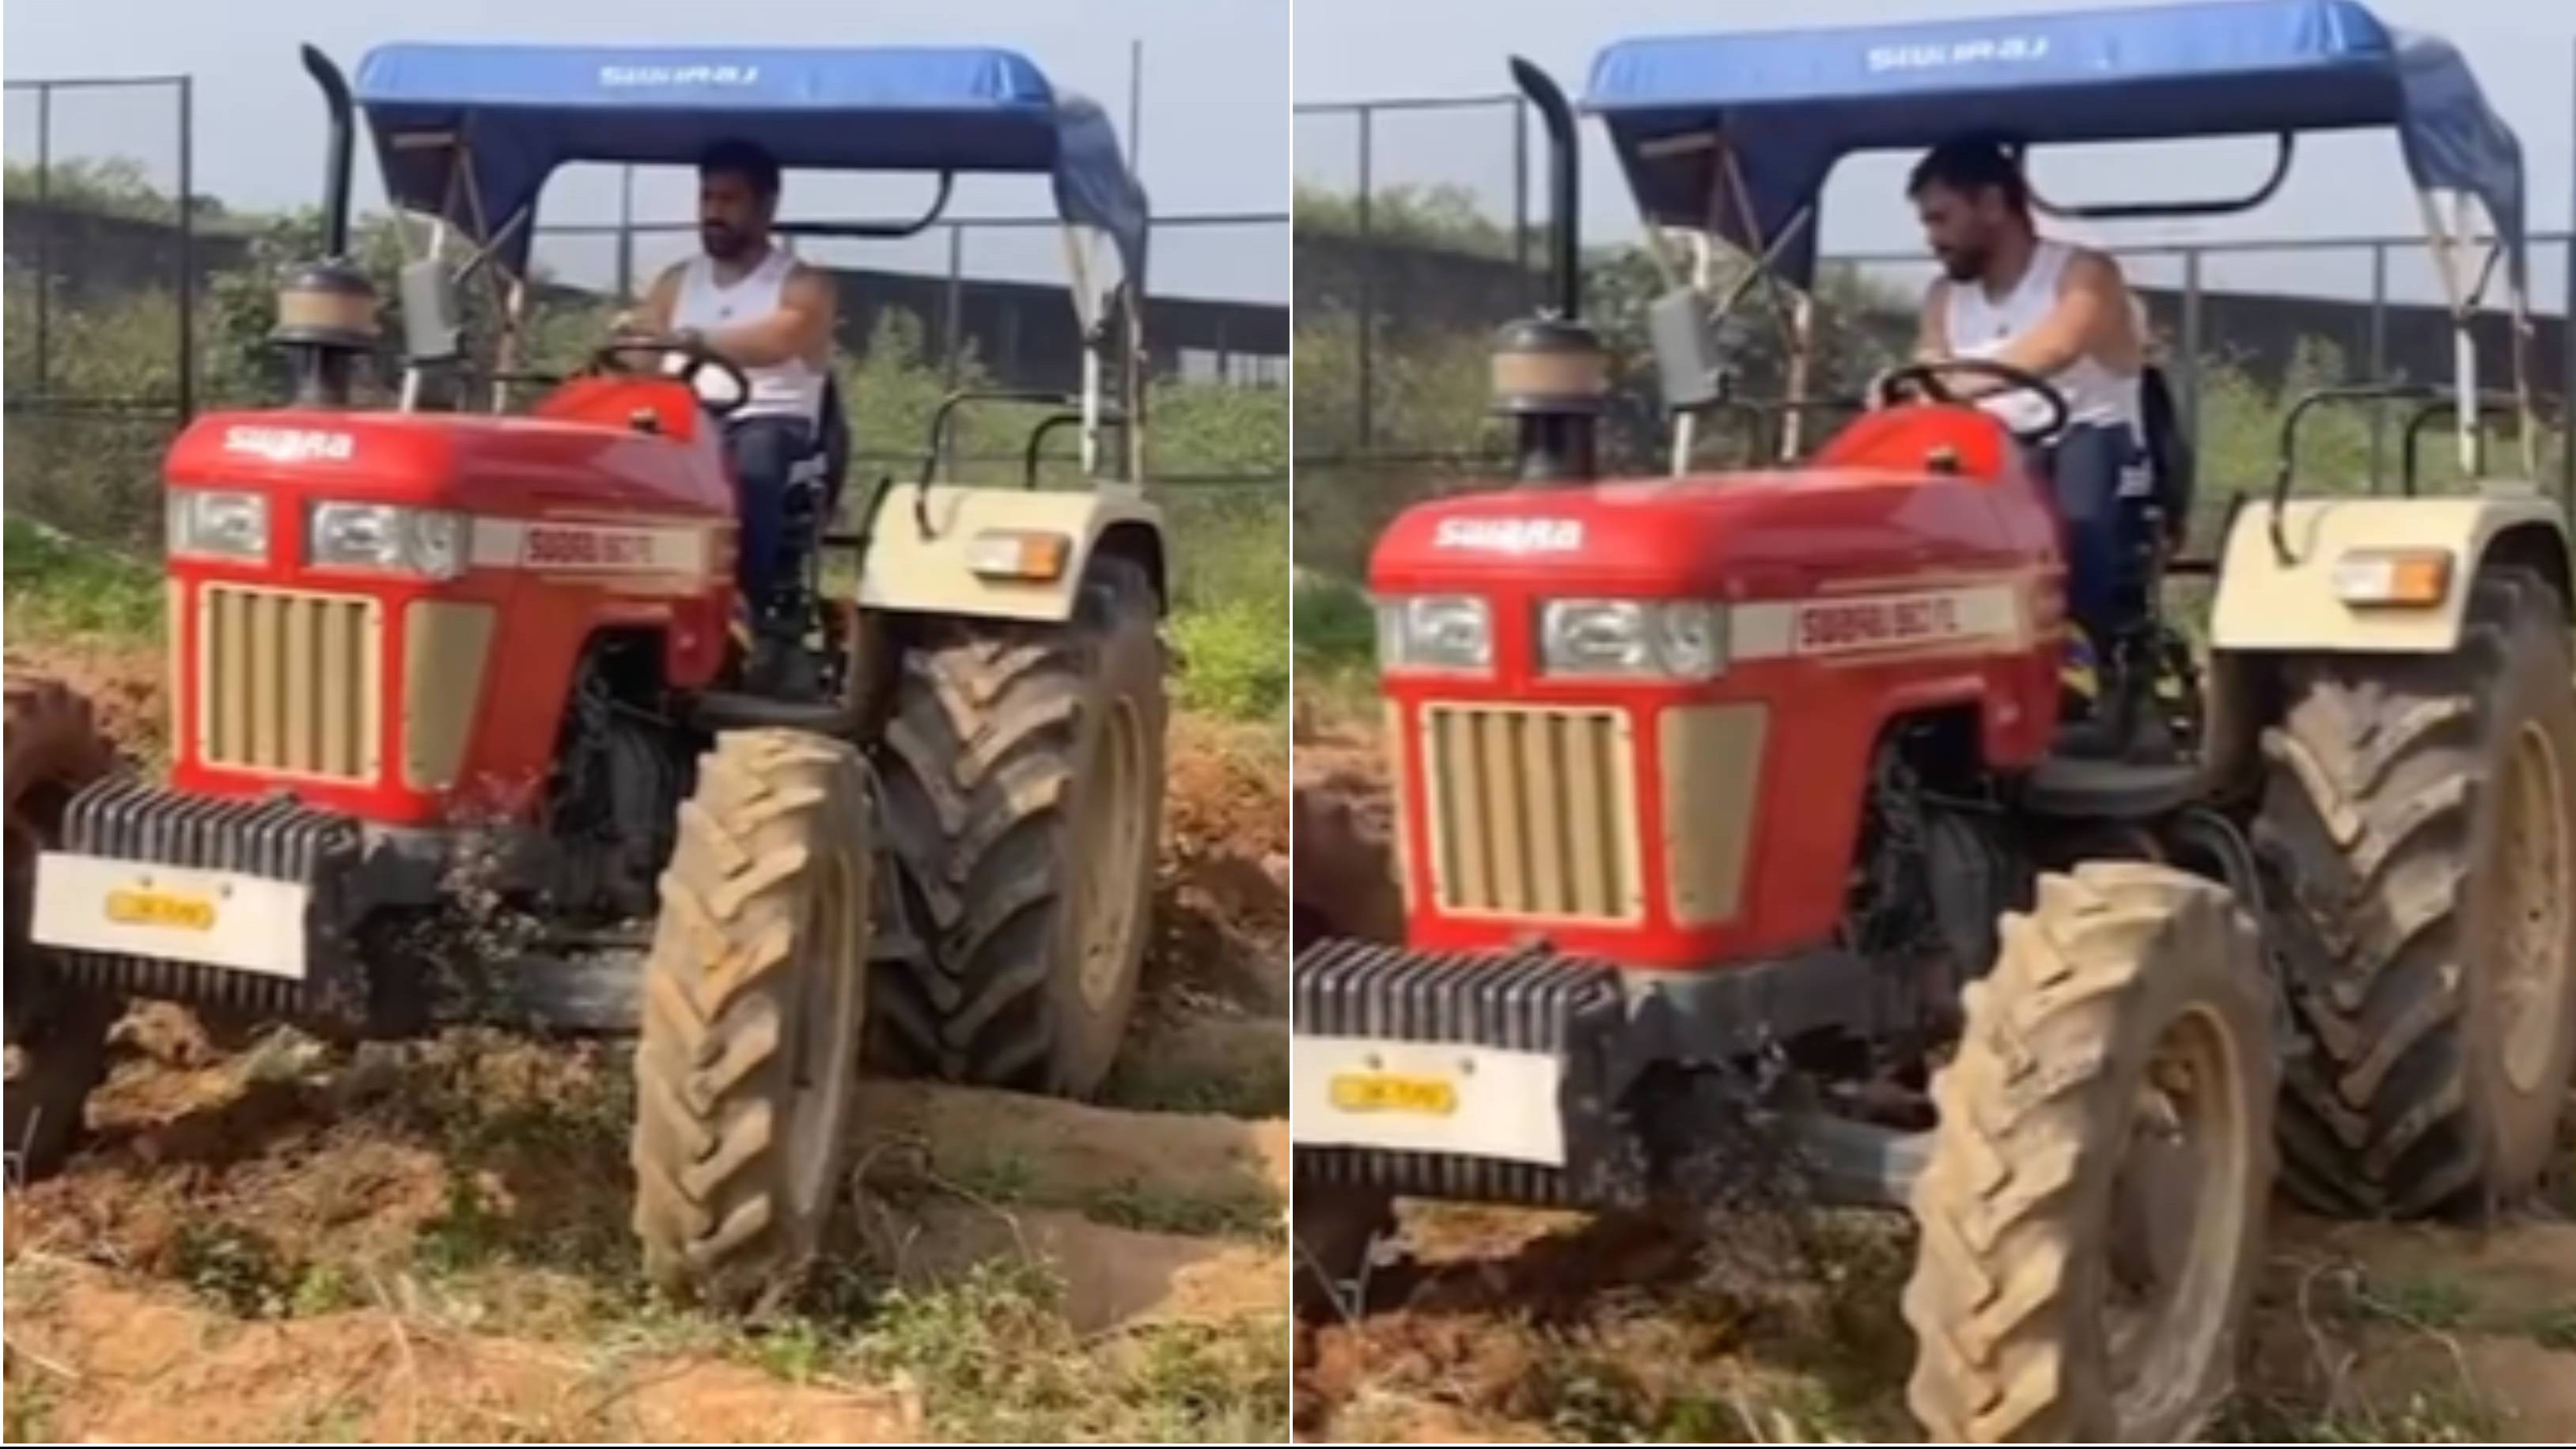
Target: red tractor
column 1736, row 834
column 424, row 660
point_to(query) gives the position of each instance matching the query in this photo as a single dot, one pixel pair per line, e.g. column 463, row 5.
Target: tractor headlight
column 206, row 523
column 1436, row 631
column 1630, row 638
column 385, row 536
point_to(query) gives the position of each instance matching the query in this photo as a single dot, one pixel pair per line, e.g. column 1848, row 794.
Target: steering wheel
column 1924, row 380
column 697, row 356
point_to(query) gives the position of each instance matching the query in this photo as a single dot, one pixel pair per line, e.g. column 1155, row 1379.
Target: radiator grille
column 289, row 682
column 1533, row 812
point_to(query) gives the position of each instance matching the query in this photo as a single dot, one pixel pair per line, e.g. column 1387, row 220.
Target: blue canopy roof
column 523, row 110
column 1791, row 103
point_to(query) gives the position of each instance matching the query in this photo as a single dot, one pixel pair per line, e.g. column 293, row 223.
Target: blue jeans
column 764, row 450
column 2098, row 475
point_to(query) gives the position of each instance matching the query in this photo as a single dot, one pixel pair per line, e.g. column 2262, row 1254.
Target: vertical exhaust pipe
column 1564, row 187
column 326, row 309
column 336, row 160
column 1550, row 372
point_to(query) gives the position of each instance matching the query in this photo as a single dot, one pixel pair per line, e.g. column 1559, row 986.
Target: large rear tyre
column 2420, row 810
column 57, row 1031
column 1024, row 782
column 755, row 996
column 2092, row 1210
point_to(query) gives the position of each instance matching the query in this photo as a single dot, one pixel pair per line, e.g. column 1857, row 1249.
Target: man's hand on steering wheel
column 1930, row 380
column 690, row 347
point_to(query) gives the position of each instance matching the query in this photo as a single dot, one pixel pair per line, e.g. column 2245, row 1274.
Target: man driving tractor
column 750, row 302
column 2063, row 313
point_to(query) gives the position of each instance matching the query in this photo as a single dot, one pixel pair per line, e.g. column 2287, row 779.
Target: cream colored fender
column 965, row 564
column 2268, row 605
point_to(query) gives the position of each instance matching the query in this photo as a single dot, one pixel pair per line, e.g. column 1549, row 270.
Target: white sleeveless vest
column 791, row 389
column 1980, row 326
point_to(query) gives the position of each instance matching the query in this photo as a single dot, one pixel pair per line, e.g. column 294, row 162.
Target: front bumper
column 249, row 906
column 1459, row 1075
column 1566, row 1081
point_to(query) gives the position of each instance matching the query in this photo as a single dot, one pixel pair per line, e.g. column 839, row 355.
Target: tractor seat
column 814, row 483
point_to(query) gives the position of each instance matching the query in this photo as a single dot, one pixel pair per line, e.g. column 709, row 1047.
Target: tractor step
column 731, row 710
column 2067, row 787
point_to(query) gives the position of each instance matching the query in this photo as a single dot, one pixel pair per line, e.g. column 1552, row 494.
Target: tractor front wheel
column 57, row 1030
column 2092, row 1210
column 1024, row 785
column 755, row 995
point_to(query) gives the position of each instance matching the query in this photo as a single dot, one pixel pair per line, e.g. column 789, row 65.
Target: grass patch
column 234, row 1268
column 997, row 1362
column 1253, row 1088
column 2554, row 1328
column 28, row 1418
column 1232, row 660
column 1234, row 1213
column 1230, row 616
column 60, row 586
column 2438, row 1305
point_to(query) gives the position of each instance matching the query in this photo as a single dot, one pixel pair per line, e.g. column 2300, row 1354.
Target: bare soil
column 1504, row 1325
column 267, row 1238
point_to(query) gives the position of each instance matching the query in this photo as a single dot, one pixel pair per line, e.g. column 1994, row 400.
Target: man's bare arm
column 652, row 316
column 1932, row 333
column 2092, row 317
column 801, row 327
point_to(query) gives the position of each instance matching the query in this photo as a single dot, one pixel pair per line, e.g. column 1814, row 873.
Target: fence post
column 1368, row 292
column 2378, row 361
column 2191, row 344
column 2567, row 341
column 953, row 327
column 626, row 234
column 1520, row 200
column 44, row 231
column 187, row 250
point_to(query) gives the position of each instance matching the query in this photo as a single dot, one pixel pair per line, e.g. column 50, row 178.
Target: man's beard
column 722, row 242
column 1964, row 264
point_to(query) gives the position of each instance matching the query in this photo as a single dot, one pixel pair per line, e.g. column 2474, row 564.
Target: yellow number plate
column 1388, row 1092
column 171, row 909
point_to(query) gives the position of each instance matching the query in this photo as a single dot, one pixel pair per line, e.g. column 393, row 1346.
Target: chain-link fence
column 129, row 311
column 1416, row 237
column 106, row 282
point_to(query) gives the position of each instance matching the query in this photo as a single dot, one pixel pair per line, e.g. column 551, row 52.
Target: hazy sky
column 1215, row 115
column 2523, row 51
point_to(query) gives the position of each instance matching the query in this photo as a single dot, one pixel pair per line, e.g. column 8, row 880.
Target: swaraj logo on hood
column 1510, row 535
column 290, row 445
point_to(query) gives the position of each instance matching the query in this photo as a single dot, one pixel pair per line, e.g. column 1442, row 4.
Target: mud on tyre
column 2092, row 1210
column 755, row 998
column 2419, row 811
column 1023, row 774
column 57, row 1031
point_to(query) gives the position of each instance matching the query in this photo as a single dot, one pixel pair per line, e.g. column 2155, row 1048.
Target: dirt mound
column 1221, row 894
column 1110, row 1275
column 128, row 685
column 92, row 1359
column 1070, row 1152
column 1345, row 878
column 1505, row 1324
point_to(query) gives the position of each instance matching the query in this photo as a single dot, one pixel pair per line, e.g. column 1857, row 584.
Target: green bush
column 60, row 586
column 1230, row 615
column 1335, row 625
